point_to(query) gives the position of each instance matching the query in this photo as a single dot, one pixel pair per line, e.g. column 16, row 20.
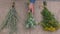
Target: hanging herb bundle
column 30, row 22
column 11, row 20
column 49, row 23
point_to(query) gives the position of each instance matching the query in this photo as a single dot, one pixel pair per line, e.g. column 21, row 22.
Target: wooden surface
column 5, row 5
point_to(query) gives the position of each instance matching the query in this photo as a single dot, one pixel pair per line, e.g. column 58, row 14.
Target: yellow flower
column 52, row 29
column 49, row 29
column 46, row 28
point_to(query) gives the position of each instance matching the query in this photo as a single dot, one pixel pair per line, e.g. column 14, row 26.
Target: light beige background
column 5, row 5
